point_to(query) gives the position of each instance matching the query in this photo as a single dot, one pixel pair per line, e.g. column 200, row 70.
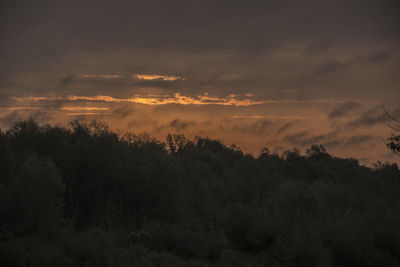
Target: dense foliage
column 83, row 195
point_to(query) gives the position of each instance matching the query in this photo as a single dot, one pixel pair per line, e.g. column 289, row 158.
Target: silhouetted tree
column 83, row 195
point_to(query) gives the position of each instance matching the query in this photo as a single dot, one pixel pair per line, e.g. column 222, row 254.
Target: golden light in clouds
column 85, row 114
column 205, row 99
column 148, row 77
column 83, row 108
column 157, row 77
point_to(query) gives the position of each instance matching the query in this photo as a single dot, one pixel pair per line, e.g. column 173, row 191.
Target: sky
column 276, row 74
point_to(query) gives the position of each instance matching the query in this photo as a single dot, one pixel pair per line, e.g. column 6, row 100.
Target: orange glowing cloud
column 157, row 77
column 205, row 99
column 87, row 114
column 83, row 108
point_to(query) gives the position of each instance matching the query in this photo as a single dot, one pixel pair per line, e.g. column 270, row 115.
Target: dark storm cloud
column 52, row 29
column 343, row 110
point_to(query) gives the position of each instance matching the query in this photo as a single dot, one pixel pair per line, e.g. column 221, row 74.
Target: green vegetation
column 83, row 195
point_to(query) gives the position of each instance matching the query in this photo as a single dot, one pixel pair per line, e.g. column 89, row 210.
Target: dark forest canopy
column 82, row 195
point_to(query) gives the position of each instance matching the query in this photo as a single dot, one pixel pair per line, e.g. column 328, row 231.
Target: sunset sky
column 276, row 74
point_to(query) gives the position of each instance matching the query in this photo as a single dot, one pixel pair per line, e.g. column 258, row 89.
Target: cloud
column 360, row 139
column 296, row 139
column 66, row 81
column 285, row 127
column 374, row 58
column 243, row 126
column 123, row 111
column 102, row 76
column 84, row 108
column 177, row 98
column 157, row 77
column 317, row 48
column 145, row 125
column 81, row 114
column 9, row 119
column 259, row 127
column 368, row 118
column 17, row 115
column 5, row 99
column 305, row 138
column 85, row 111
column 332, row 140
column 343, row 110
column 181, row 125
column 333, row 66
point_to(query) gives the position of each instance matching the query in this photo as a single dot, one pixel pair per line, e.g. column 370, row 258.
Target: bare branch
column 389, row 115
column 388, row 125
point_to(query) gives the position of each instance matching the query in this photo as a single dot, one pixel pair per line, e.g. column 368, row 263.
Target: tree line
column 83, row 195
